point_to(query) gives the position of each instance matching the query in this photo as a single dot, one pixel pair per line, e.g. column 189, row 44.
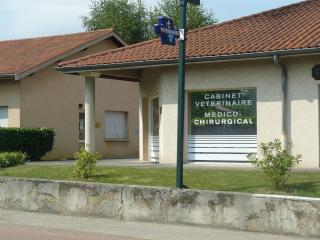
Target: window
column 81, row 127
column 3, row 116
column 116, row 125
column 81, row 123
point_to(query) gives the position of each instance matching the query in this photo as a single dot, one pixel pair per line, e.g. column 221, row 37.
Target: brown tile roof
column 17, row 56
column 296, row 26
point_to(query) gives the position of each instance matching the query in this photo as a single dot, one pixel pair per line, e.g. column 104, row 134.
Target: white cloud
column 28, row 18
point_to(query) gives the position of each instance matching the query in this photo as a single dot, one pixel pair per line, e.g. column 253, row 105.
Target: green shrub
column 85, row 163
column 11, row 159
column 35, row 142
column 276, row 163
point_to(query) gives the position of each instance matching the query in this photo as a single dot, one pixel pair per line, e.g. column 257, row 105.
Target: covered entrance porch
column 149, row 117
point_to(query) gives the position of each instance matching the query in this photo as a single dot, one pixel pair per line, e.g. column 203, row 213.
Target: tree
column 197, row 16
column 134, row 22
column 128, row 18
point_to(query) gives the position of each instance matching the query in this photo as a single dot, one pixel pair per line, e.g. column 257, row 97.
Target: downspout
column 284, row 72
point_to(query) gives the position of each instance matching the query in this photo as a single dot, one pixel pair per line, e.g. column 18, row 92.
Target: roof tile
column 17, row 56
column 296, row 26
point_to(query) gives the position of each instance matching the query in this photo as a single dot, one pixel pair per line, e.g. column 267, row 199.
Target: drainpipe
column 284, row 71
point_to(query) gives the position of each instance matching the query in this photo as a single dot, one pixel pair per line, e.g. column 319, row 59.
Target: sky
column 32, row 18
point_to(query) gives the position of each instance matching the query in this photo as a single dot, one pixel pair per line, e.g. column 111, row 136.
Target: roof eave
column 157, row 63
column 21, row 75
column 8, row 76
column 118, row 39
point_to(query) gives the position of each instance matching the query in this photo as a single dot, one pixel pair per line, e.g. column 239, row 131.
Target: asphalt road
column 16, row 225
column 16, row 232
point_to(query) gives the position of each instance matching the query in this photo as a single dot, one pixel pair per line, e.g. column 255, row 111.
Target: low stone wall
column 276, row 214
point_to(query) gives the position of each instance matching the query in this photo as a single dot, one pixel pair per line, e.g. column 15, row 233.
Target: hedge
column 35, row 142
column 11, row 159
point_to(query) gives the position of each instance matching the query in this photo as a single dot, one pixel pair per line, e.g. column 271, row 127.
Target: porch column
column 90, row 135
column 143, row 129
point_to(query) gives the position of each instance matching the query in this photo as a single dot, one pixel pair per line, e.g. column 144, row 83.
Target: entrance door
column 154, row 116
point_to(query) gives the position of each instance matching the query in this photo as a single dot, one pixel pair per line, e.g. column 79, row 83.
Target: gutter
column 8, row 76
column 170, row 62
column 284, row 77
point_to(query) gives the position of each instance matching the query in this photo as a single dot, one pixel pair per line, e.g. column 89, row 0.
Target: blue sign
column 165, row 29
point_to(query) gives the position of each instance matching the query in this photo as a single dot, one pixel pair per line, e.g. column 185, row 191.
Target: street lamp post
column 165, row 29
column 181, row 88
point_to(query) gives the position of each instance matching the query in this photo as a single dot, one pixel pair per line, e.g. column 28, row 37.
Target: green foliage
column 197, row 16
column 134, row 21
column 276, row 163
column 128, row 18
column 85, row 163
column 11, row 159
column 35, row 142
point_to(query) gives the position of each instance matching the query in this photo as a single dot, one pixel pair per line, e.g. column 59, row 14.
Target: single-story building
column 34, row 94
column 248, row 81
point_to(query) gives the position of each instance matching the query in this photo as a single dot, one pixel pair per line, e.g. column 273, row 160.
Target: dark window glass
column 81, row 126
column 225, row 112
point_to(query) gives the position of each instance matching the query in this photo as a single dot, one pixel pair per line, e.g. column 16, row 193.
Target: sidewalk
column 105, row 162
column 15, row 224
column 132, row 162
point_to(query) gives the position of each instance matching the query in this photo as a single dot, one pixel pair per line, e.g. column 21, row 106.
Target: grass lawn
column 300, row 184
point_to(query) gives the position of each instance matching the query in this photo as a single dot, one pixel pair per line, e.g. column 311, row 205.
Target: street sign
column 165, row 29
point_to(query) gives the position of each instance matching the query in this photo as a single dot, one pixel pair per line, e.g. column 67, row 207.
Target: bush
column 85, row 163
column 35, row 142
column 11, row 159
column 276, row 163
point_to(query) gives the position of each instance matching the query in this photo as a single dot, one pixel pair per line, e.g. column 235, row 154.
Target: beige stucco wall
column 51, row 99
column 112, row 95
column 263, row 75
column 304, row 110
column 10, row 97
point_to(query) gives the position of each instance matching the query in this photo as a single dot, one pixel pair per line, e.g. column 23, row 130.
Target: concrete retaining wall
column 266, row 213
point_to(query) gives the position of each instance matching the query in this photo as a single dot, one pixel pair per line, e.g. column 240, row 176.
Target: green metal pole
column 181, row 91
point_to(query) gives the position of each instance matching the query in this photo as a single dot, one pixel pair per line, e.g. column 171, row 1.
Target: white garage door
column 221, row 148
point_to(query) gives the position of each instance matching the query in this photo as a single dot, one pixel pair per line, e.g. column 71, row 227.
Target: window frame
column 108, row 139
